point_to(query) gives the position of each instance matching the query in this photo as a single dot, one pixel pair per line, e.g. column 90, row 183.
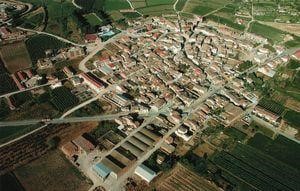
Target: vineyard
column 183, row 179
column 281, row 148
column 257, row 169
column 7, row 84
column 271, row 106
column 62, row 98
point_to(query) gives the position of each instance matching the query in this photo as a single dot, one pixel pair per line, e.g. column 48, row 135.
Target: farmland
column 15, row 57
column 8, row 182
column 257, row 169
column 93, row 19
column 292, row 117
column 271, row 106
column 180, row 5
column 62, row 98
column 202, row 7
column 270, row 33
column 11, row 132
column 181, row 178
column 281, row 148
column 37, row 45
column 35, row 145
column 48, row 172
column 244, row 66
column 8, row 85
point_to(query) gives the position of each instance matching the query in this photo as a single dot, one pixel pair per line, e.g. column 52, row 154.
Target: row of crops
column 257, row 169
column 62, row 98
column 271, row 106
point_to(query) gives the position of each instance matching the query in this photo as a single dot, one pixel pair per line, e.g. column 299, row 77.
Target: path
column 77, row 6
column 131, row 6
column 53, row 35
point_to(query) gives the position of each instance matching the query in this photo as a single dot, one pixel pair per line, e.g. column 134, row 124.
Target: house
column 91, row 38
column 145, row 173
column 69, row 149
column 83, row 144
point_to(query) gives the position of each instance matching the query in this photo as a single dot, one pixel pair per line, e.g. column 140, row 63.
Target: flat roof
column 102, row 170
column 145, row 173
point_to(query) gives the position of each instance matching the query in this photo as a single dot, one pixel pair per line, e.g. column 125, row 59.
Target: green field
column 202, row 7
column 180, row 5
column 111, row 5
column 235, row 133
column 93, row 19
column 270, row 33
column 293, row 118
column 159, row 2
column 256, row 169
column 62, row 98
column 281, row 148
column 10, row 132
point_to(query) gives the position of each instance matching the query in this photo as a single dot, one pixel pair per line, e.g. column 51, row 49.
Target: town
column 151, row 104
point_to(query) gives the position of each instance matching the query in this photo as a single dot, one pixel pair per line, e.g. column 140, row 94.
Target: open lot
column 15, row 56
column 51, row 172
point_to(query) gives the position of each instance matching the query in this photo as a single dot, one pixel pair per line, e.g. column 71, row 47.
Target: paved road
column 98, row 48
column 64, row 120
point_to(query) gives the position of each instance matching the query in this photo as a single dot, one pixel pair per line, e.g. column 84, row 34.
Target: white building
column 145, row 173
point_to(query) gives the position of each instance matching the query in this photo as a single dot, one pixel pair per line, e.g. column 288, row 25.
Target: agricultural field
column 244, row 66
column 8, row 182
column 180, row 5
column 112, row 5
column 271, row 106
column 15, row 56
column 51, row 171
column 281, row 148
column 276, row 11
column 11, row 132
column 181, row 178
column 62, row 98
column 272, row 34
column 38, row 44
column 33, row 20
column 60, row 18
column 235, row 134
column 257, row 169
column 8, row 85
column 292, row 117
column 93, row 19
column 203, row 7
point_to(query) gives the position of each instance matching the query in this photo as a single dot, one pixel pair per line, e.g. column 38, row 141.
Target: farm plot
column 180, row 5
column 257, row 169
column 62, row 98
column 7, row 84
column 157, row 10
column 293, row 118
column 51, row 171
column 270, row 33
column 281, row 148
column 15, row 57
column 181, row 178
column 202, row 7
column 271, row 106
column 93, row 19
column 111, row 5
